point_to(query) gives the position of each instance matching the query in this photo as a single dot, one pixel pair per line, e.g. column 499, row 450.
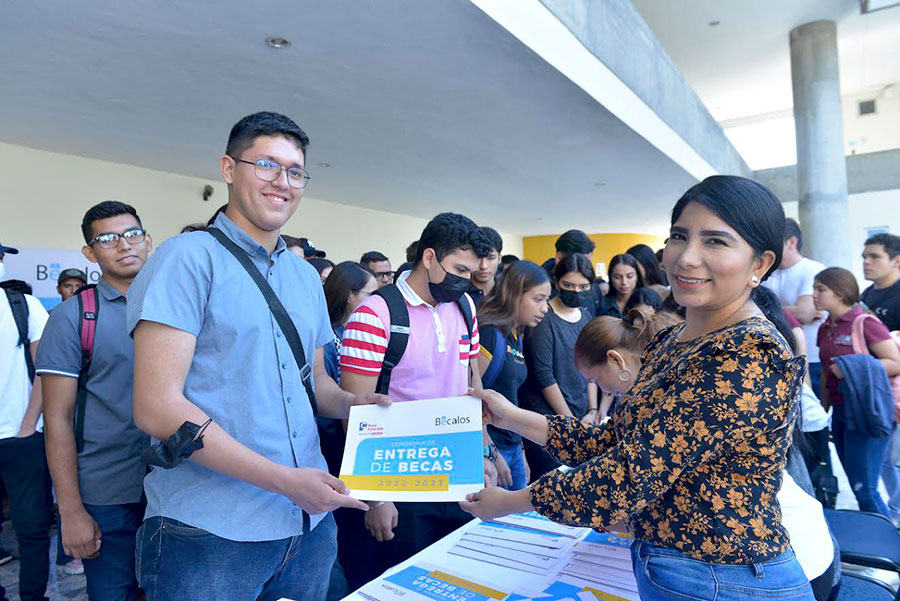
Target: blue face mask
column 450, row 289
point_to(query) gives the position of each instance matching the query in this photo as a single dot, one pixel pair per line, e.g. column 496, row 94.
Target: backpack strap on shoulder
column 18, row 304
column 498, row 358
column 858, row 333
column 465, row 307
column 398, row 336
column 88, row 312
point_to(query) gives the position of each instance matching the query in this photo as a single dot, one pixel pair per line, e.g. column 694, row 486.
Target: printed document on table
column 423, row 582
column 428, row 450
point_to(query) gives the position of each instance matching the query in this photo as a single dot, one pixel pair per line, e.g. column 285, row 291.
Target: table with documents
column 519, row 557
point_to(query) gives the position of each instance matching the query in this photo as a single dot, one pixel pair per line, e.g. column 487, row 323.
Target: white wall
column 43, row 197
column 875, row 132
column 867, row 210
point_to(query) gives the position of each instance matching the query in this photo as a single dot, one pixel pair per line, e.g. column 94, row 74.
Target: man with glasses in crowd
column 247, row 516
column 98, row 472
column 380, row 266
column 22, row 460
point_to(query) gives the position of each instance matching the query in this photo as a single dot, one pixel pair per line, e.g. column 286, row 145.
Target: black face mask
column 573, row 299
column 450, row 289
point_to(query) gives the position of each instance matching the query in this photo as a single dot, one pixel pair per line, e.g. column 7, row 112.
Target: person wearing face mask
column 439, row 361
column 553, row 385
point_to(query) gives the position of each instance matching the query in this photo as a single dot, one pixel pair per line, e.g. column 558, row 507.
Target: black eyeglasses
column 111, row 240
column 269, row 171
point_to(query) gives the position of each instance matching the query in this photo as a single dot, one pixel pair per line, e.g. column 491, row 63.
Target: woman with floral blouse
column 693, row 456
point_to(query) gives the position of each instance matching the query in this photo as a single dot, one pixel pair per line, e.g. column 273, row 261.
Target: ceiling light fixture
column 277, row 42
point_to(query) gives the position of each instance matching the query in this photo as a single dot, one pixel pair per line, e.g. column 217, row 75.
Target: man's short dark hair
column 574, row 241
column 104, row 210
column 411, row 251
column 493, row 238
column 890, row 242
column 373, row 256
column 265, row 123
column 449, row 232
column 792, row 230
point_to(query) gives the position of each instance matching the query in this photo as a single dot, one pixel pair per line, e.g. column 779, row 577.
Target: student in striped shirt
column 440, row 360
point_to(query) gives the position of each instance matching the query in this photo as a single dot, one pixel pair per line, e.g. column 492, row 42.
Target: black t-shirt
column 507, row 383
column 476, row 294
column 550, row 358
column 641, row 296
column 885, row 304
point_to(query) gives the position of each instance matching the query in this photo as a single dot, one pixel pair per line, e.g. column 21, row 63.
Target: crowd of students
column 227, row 360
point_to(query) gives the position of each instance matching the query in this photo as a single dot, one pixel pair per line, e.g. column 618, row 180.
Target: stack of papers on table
column 423, row 582
column 602, row 562
column 531, row 551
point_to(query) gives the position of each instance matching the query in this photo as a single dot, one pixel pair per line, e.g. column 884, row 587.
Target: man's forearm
column 62, row 459
column 35, row 405
column 333, row 402
column 161, row 418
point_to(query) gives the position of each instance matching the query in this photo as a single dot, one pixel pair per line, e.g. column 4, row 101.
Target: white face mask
column 2, row 271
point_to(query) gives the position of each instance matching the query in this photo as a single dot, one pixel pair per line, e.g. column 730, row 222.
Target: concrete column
column 821, row 167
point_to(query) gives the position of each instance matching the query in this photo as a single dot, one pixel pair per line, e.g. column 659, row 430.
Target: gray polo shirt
column 110, row 471
column 243, row 374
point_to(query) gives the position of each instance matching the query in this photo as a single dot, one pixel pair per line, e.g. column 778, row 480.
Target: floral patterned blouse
column 692, row 458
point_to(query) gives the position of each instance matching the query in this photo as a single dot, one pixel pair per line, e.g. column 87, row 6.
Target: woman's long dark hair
column 574, row 263
column 500, row 306
column 653, row 275
column 757, row 216
column 346, row 278
column 624, row 259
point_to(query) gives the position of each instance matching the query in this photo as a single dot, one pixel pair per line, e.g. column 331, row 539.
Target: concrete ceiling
column 418, row 106
column 741, row 67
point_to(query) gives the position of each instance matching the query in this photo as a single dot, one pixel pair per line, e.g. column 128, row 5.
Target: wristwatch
column 490, row 451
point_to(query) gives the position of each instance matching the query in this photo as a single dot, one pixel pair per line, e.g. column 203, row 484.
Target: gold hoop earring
column 625, row 374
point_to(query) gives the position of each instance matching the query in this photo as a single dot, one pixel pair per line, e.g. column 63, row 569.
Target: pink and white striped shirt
column 436, row 361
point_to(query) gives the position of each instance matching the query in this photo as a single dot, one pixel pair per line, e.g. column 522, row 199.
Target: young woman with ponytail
column 693, row 456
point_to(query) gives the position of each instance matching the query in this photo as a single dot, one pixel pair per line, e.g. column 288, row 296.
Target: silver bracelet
column 377, row 505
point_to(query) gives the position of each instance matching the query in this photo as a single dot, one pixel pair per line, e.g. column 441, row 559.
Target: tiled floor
column 62, row 587
column 72, row 588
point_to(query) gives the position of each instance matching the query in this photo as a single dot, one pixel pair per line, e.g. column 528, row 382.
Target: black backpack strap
column 465, row 308
column 19, row 307
column 398, row 336
column 278, row 311
column 88, row 313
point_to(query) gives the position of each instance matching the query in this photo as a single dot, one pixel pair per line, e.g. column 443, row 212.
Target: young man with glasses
column 22, row 459
column 98, row 473
column 380, row 266
column 247, row 516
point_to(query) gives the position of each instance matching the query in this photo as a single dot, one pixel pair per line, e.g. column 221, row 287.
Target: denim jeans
column 815, row 375
column 515, row 459
column 178, row 561
column 862, row 457
column 669, row 575
column 22, row 465
column 110, row 576
column 890, row 473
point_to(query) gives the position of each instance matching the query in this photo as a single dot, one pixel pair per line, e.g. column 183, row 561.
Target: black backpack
column 399, row 330
column 19, row 307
